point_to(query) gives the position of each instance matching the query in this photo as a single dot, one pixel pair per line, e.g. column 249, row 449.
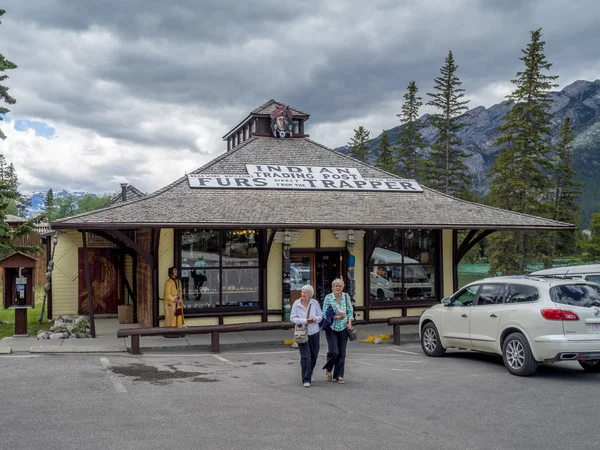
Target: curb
column 82, row 349
column 5, row 350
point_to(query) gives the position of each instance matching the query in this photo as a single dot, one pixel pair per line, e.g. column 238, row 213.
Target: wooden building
column 274, row 212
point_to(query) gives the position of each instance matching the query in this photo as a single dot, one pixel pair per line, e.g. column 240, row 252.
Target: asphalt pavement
column 252, row 398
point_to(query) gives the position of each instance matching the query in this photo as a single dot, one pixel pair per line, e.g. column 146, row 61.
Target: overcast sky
column 141, row 91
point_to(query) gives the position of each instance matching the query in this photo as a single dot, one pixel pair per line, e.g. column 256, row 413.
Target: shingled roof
column 132, row 193
column 269, row 107
column 178, row 205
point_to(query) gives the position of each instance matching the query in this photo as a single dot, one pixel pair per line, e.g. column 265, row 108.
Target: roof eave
column 124, row 225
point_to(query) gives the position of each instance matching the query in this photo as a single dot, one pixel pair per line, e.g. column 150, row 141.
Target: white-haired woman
column 336, row 334
column 306, row 312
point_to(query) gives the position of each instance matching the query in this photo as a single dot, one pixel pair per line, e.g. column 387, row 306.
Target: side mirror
column 447, row 301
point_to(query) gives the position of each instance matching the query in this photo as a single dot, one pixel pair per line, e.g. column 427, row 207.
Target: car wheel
column 517, row 356
column 592, row 365
column 430, row 341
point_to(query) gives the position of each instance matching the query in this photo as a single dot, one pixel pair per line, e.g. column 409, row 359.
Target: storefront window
column 219, row 268
column 403, row 266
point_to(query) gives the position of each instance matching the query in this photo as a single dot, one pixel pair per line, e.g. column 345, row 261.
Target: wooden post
column 396, row 334
column 214, row 342
column 135, row 344
column 88, row 283
column 20, row 321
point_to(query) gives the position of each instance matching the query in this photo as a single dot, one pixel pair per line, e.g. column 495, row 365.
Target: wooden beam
column 125, row 280
column 119, row 235
column 88, row 282
column 103, row 234
column 465, row 244
column 154, row 266
column 468, row 245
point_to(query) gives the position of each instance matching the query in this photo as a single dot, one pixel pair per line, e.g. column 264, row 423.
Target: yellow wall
column 274, row 278
column 308, row 239
column 328, row 240
column 384, row 313
column 165, row 260
column 241, row 319
column 415, row 311
column 65, row 276
column 447, row 263
column 199, row 321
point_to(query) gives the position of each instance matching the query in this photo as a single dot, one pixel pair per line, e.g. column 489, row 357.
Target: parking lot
column 395, row 397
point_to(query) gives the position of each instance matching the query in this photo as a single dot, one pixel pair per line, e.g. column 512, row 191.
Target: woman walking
column 336, row 334
column 306, row 312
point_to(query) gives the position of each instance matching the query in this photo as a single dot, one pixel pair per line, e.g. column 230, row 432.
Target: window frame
column 501, row 294
column 221, row 309
column 508, row 286
column 461, row 291
column 435, row 263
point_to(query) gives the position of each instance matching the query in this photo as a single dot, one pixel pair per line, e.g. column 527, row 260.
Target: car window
column 518, row 293
column 466, row 296
column 490, row 294
column 576, row 295
column 593, row 279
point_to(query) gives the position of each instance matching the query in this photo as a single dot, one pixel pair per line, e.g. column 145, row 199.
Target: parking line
column 404, row 351
column 220, row 358
column 19, row 356
column 120, row 387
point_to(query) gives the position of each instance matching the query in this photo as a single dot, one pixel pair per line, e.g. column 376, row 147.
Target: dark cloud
column 177, row 76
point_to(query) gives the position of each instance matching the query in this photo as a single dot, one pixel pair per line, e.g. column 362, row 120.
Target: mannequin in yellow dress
column 173, row 300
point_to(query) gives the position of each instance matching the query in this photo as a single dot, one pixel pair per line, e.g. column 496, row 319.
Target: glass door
column 302, row 272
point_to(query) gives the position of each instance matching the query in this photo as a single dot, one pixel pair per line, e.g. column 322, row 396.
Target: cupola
column 273, row 119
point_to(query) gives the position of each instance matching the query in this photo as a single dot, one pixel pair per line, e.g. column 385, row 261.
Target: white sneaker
column 312, row 379
column 306, row 385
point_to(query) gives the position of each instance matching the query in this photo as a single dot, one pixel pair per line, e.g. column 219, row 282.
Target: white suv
column 528, row 320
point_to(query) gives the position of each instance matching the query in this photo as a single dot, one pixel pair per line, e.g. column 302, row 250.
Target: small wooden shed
column 19, row 280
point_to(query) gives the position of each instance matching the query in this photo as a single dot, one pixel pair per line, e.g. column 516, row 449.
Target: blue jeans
column 337, row 341
column 309, row 352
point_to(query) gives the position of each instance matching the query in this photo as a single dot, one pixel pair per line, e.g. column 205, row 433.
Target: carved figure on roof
column 281, row 121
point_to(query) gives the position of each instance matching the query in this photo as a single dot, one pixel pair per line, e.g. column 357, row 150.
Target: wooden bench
column 214, row 331
column 397, row 322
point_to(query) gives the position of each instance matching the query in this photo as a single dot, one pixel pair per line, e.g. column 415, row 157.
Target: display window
column 219, row 269
column 403, row 266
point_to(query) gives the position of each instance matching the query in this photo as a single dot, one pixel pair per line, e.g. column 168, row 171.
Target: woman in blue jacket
column 336, row 334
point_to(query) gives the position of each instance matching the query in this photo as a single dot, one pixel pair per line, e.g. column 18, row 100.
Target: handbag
column 351, row 332
column 301, row 333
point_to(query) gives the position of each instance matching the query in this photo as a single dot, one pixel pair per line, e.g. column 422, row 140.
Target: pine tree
column 448, row 172
column 49, row 203
column 520, row 172
column 566, row 190
column 591, row 247
column 410, row 142
column 385, row 160
column 5, row 64
column 9, row 197
column 359, row 144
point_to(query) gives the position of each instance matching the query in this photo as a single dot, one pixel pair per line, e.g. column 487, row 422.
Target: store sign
column 302, row 177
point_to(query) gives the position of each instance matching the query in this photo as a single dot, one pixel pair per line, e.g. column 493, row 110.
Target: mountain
column 37, row 199
column 580, row 101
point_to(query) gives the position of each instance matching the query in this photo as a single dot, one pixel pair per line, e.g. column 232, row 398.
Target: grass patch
column 8, row 315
